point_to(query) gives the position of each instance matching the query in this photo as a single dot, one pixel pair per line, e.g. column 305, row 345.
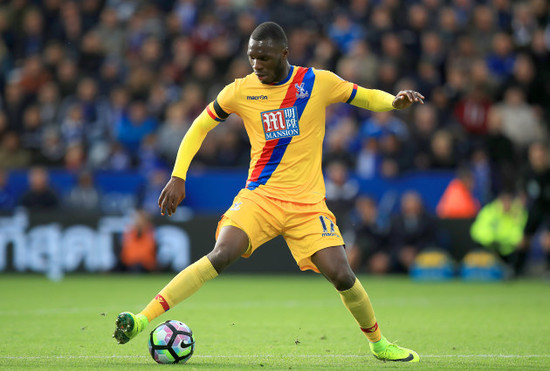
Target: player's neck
column 284, row 74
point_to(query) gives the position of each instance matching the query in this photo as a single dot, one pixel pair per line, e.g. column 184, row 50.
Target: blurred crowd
column 115, row 84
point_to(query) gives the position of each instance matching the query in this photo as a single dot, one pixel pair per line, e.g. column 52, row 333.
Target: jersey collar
column 285, row 80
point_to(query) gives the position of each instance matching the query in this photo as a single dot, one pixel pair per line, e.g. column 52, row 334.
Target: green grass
column 276, row 322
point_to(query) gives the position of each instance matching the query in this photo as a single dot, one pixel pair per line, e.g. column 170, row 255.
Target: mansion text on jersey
column 282, row 134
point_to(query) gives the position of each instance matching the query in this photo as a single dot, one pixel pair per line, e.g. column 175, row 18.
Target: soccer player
column 283, row 109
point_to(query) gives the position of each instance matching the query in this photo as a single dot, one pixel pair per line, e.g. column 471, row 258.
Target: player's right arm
column 174, row 191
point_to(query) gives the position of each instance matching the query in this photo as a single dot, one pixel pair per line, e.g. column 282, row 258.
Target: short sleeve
column 226, row 99
column 335, row 88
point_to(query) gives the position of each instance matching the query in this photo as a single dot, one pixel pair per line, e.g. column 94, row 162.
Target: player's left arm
column 380, row 101
column 337, row 90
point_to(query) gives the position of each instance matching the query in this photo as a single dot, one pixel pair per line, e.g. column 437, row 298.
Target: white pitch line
column 285, row 356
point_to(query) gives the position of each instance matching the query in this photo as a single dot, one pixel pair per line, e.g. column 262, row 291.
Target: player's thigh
column 311, row 228
column 258, row 217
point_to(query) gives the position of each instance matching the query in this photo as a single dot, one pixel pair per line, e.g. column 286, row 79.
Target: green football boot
column 386, row 351
column 128, row 325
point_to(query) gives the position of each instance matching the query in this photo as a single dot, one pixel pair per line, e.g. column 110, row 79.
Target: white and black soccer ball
column 171, row 342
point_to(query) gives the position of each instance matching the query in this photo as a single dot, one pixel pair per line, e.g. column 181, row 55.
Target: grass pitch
column 276, row 322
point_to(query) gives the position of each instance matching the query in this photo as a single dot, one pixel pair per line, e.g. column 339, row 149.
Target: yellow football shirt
column 286, row 126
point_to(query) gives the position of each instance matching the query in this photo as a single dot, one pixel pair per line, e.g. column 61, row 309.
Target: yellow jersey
column 285, row 123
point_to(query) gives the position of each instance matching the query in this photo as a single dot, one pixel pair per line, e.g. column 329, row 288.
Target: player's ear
column 285, row 52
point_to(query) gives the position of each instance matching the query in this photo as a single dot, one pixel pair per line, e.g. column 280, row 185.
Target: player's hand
column 171, row 196
column 405, row 98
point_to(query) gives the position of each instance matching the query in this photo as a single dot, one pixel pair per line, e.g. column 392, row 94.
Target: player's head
column 268, row 52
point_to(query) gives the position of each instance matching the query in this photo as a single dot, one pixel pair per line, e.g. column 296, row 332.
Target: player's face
column 268, row 60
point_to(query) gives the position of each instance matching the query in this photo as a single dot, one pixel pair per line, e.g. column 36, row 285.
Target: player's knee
column 223, row 256
column 342, row 279
column 219, row 259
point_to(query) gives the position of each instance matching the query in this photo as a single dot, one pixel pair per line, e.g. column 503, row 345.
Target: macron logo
column 256, row 97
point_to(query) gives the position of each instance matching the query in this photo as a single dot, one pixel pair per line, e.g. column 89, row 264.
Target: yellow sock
column 358, row 303
column 185, row 284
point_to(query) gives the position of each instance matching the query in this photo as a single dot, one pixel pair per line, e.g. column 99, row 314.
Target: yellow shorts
column 306, row 228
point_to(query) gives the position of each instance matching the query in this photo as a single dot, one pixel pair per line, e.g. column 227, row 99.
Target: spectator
column 458, row 201
column 151, row 54
column 138, row 244
column 33, row 130
column 442, row 151
column 483, row 28
column 337, row 148
column 118, row 159
column 31, row 40
column 344, row 32
column 448, row 25
column 171, row 132
column 84, row 196
column 7, row 197
column 111, row 33
column 500, row 148
column 413, row 229
column 91, row 54
column 364, row 62
column 393, row 52
column 94, row 111
column 501, row 60
column 387, row 75
column 40, row 196
column 424, row 127
column 75, row 157
column 525, row 78
column 53, row 54
column 341, row 191
column 504, row 14
column 52, row 149
column 524, row 24
column 14, row 102
column 33, row 76
column 12, row 156
column 499, row 227
column 149, row 194
column 433, row 52
column 69, row 28
column 519, row 121
column 147, row 158
column 535, row 183
column 481, row 79
column 482, row 174
column 370, row 249
column 427, row 77
column 48, row 103
column 111, row 76
column 73, row 126
column 133, row 127
column 381, row 22
column 369, row 159
column 394, row 158
column 471, row 112
column 231, row 151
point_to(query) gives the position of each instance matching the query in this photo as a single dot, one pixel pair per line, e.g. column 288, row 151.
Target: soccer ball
column 171, row 342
